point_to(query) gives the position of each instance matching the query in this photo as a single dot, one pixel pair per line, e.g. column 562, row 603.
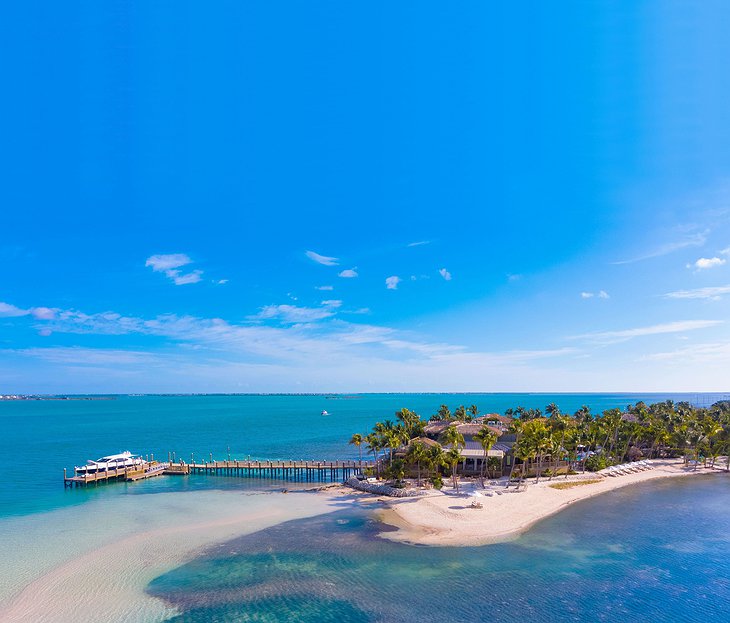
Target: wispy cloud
column 420, row 243
column 41, row 313
column 170, row 264
column 391, row 283
column 697, row 354
column 445, row 274
column 322, row 259
column 324, row 288
column 711, row 292
column 294, row 314
column 704, row 263
column 657, row 329
column 692, row 240
column 349, row 273
column 275, row 350
column 601, row 294
column 10, row 311
column 88, row 356
column 191, row 277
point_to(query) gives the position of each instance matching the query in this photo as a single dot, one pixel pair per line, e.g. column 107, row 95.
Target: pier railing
column 331, row 471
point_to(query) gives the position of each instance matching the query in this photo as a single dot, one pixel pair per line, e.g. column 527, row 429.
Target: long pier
column 320, row 471
column 275, row 470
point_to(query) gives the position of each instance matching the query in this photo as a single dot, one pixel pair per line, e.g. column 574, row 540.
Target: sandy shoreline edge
column 446, row 519
column 107, row 583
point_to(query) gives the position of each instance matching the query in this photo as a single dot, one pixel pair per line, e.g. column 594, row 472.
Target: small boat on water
column 112, row 462
column 325, row 413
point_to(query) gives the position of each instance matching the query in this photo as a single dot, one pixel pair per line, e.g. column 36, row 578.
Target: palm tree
column 453, row 458
column 443, row 414
column 357, row 440
column 417, row 454
column 474, row 410
column 451, row 436
column 435, row 458
column 487, row 438
column 374, row 443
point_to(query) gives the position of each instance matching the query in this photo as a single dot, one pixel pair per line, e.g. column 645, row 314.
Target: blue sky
column 328, row 196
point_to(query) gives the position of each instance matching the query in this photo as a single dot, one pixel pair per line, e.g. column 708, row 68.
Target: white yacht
column 111, row 462
column 325, row 413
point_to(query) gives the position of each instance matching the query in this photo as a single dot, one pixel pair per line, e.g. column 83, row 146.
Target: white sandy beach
column 444, row 518
column 170, row 530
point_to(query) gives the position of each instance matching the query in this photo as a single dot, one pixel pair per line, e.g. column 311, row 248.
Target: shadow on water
column 656, row 552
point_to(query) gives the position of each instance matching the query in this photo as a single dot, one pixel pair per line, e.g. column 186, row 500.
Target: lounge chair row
column 628, row 468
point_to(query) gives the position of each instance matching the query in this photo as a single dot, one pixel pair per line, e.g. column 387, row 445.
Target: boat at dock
column 113, row 462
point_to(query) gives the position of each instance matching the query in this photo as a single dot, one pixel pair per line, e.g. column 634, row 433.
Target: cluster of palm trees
column 388, row 437
column 553, row 440
column 616, row 436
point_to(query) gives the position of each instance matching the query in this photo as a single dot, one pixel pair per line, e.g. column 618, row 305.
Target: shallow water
column 655, row 552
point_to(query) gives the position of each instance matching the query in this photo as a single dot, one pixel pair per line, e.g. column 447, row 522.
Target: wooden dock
column 121, row 473
column 306, row 471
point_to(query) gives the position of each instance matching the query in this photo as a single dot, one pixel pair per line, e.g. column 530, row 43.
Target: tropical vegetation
column 546, row 443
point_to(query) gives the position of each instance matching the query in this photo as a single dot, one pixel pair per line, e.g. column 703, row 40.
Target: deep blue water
column 40, row 438
column 656, row 552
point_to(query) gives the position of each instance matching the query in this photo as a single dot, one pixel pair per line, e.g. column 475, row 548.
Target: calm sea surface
column 40, row 438
column 656, row 552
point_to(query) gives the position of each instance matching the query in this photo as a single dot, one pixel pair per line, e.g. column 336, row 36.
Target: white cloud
column 324, row 288
column 712, row 293
column 43, row 313
column 332, row 303
column 391, row 283
column 658, row 329
column 419, row 243
column 39, row 313
column 169, row 265
column 322, row 259
column 348, row 273
column 513, row 277
column 707, row 262
column 220, row 282
column 602, row 294
column 293, row 314
column 11, row 311
column 181, row 280
column 445, row 274
column 586, row 295
column 725, row 251
column 163, row 263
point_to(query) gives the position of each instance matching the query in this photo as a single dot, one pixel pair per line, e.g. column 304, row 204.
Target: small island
column 463, row 478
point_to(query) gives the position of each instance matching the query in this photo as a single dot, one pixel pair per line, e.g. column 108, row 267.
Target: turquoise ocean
column 657, row 552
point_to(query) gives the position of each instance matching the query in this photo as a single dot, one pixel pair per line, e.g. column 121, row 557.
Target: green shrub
column 437, row 481
column 596, row 462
